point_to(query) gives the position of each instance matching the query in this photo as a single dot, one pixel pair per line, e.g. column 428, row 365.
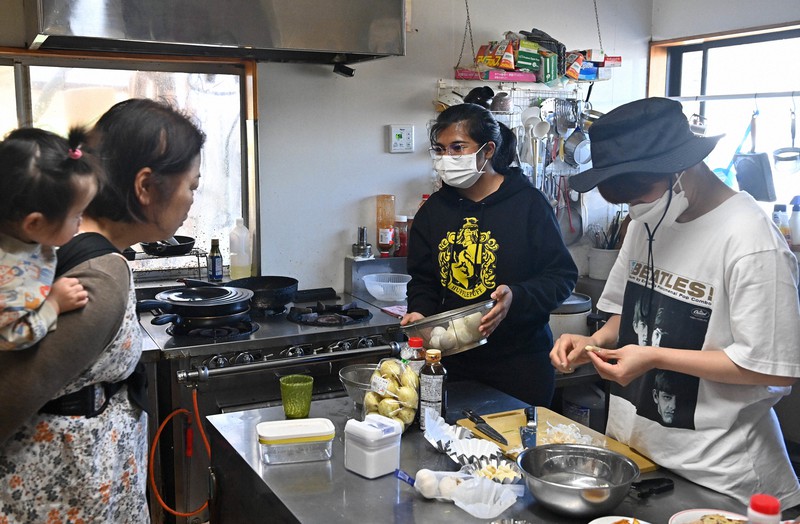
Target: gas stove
column 271, row 334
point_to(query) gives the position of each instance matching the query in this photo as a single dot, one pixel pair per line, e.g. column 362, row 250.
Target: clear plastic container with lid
column 295, row 440
column 372, row 447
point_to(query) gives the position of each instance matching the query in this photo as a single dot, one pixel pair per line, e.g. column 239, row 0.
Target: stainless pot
column 575, row 148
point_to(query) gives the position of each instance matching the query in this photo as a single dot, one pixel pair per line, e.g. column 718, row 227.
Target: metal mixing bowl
column 577, row 480
column 356, row 380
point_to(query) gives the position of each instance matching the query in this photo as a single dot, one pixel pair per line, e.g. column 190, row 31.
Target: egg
column 438, row 331
column 434, row 342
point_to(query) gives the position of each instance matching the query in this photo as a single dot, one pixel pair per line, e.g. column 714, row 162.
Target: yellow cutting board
column 508, row 423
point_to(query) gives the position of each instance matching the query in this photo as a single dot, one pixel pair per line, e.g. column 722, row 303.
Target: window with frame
column 726, row 81
column 60, row 92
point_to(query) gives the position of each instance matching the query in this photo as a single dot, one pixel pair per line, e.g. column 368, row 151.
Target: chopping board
column 508, row 423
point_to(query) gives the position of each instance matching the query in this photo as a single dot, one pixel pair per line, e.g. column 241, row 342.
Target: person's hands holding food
column 568, row 352
column 621, row 365
column 503, row 297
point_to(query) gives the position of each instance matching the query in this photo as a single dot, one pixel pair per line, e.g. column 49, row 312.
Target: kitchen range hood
column 310, row 31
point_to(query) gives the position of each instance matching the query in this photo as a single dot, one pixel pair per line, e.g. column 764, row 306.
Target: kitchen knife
column 527, row 433
column 482, row 426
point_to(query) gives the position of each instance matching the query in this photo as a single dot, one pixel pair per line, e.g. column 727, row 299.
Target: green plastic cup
column 296, row 395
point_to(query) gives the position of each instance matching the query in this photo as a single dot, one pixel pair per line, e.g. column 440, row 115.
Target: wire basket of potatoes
column 394, row 391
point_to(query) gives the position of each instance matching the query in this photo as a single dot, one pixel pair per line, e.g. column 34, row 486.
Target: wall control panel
column 401, row 138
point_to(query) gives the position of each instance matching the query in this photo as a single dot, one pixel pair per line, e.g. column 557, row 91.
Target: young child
column 46, row 182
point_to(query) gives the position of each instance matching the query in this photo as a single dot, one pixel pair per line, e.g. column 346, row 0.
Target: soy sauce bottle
column 432, row 386
column 215, row 262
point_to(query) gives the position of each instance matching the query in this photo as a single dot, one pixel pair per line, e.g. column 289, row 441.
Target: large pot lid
column 205, row 296
column 576, row 303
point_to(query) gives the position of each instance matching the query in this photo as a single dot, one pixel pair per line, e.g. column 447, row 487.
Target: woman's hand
column 503, row 296
column 411, row 317
column 622, row 365
column 568, row 352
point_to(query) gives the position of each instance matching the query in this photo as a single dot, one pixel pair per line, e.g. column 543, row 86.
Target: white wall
column 322, row 137
column 680, row 18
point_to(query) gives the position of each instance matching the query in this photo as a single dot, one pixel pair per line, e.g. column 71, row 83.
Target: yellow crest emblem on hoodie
column 467, row 261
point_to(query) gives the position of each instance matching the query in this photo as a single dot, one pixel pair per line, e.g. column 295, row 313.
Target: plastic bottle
column 241, row 250
column 764, row 509
column 385, row 222
column 416, row 354
column 781, row 219
column 794, row 225
column 432, row 386
column 215, row 262
column 401, row 235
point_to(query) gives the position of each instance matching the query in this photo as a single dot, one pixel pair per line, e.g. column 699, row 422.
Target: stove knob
column 365, row 342
column 244, row 358
column 217, row 361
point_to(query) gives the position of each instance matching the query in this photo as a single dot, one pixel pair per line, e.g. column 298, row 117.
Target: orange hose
column 153, row 454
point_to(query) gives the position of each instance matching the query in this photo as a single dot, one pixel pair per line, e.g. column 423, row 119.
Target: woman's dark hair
column 133, row 135
column 39, row 172
column 481, row 127
column 622, row 189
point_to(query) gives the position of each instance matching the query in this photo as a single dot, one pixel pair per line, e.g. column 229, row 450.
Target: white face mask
column 459, row 171
column 663, row 211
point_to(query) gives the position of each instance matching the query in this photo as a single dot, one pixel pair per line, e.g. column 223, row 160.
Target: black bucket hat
column 650, row 135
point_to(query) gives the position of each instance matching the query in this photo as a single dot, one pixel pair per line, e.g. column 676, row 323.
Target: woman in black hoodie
column 488, row 233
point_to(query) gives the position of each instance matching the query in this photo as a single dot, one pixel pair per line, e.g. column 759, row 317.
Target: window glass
column 8, row 109
column 757, row 77
column 65, row 96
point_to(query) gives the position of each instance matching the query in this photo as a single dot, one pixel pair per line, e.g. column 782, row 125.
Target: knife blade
column 527, row 433
column 484, row 427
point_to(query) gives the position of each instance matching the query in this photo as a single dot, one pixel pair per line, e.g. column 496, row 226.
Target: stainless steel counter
column 327, row 492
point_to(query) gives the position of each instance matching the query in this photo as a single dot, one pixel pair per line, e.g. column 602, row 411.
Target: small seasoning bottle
column 416, row 354
column 781, row 219
column 432, row 386
column 385, row 222
column 401, row 235
column 764, row 509
column 215, row 262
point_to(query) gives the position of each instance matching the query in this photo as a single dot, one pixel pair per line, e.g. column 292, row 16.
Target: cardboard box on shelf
column 594, row 55
column 604, row 73
column 548, row 71
column 612, row 61
column 495, row 74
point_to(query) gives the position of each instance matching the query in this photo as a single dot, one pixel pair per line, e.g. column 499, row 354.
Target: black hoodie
column 460, row 251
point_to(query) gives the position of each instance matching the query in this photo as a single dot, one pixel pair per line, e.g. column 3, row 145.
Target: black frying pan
column 268, row 292
column 200, row 301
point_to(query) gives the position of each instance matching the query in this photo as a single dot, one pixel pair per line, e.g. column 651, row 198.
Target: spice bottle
column 781, row 219
column 215, row 262
column 794, row 225
column 385, row 222
column 764, row 509
column 416, row 354
column 401, row 235
column 239, row 239
column 432, row 386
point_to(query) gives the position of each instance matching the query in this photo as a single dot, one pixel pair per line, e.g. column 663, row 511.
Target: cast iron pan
column 199, row 322
column 268, row 292
column 200, row 301
column 165, row 249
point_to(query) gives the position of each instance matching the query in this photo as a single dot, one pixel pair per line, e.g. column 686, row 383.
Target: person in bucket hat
column 706, row 265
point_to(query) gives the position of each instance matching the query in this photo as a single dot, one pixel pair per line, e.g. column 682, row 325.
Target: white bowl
column 387, row 287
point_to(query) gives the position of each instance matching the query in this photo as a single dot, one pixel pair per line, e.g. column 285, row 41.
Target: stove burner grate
column 238, row 331
column 329, row 314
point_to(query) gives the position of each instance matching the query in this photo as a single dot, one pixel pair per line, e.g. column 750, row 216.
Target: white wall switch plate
column 401, row 138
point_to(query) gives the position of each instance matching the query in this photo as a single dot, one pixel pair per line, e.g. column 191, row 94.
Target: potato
column 392, row 387
column 371, row 401
column 388, row 406
column 408, row 397
column 437, row 331
column 433, row 343
column 406, row 415
column 390, row 367
column 447, row 486
column 409, row 378
column 463, row 334
column 473, row 322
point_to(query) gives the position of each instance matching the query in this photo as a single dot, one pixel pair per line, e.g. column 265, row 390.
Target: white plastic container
column 764, row 509
column 601, row 261
column 295, row 440
column 372, row 447
column 241, row 250
column 794, row 225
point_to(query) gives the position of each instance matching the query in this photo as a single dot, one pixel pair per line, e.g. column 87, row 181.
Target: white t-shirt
column 725, row 281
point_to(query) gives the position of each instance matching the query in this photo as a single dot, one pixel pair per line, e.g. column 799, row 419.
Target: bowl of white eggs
column 452, row 331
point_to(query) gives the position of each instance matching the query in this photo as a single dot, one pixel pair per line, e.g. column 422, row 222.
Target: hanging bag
column 753, row 171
